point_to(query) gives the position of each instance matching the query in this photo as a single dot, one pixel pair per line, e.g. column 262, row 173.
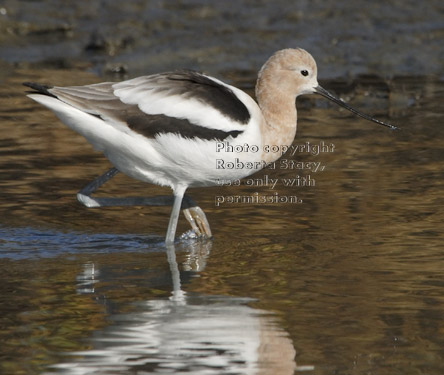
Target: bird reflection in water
column 186, row 333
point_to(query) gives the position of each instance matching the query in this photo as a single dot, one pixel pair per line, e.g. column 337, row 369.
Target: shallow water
column 346, row 280
column 350, row 279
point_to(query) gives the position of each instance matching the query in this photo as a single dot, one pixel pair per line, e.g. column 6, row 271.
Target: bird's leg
column 84, row 195
column 198, row 221
column 171, row 232
column 193, row 213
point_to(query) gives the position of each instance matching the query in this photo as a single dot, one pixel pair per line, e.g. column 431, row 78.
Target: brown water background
column 351, row 279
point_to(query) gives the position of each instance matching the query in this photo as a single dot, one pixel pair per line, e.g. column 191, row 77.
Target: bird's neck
column 279, row 111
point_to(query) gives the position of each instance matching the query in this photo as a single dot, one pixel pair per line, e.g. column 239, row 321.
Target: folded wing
column 186, row 103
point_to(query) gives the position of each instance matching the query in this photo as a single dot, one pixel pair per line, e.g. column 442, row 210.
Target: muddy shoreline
column 223, row 38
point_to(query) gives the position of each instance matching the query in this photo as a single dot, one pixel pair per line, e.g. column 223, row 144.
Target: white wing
column 185, row 103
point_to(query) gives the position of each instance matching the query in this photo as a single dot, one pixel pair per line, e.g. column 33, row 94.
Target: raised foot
column 198, row 221
column 87, row 200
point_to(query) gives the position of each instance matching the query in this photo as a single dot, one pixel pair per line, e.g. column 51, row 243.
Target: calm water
column 349, row 280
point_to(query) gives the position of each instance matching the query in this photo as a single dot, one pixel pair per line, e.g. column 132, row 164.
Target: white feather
column 154, row 101
column 167, row 160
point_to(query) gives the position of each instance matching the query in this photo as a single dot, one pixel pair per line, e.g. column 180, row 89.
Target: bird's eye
column 304, row 73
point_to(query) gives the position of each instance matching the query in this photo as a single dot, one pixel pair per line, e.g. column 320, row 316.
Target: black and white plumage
column 155, row 121
column 164, row 128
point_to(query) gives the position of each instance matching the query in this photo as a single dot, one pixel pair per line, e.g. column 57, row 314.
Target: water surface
column 347, row 280
column 350, row 279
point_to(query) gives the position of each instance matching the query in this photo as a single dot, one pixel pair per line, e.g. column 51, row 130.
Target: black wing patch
column 212, row 93
column 99, row 100
column 38, row 88
column 152, row 125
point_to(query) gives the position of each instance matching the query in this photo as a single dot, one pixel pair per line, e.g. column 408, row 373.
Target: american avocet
column 180, row 129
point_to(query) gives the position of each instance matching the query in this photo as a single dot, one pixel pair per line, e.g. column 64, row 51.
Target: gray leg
column 84, row 196
column 198, row 221
column 193, row 213
column 171, row 232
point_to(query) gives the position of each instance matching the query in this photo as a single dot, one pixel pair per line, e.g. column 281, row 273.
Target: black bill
column 321, row 91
